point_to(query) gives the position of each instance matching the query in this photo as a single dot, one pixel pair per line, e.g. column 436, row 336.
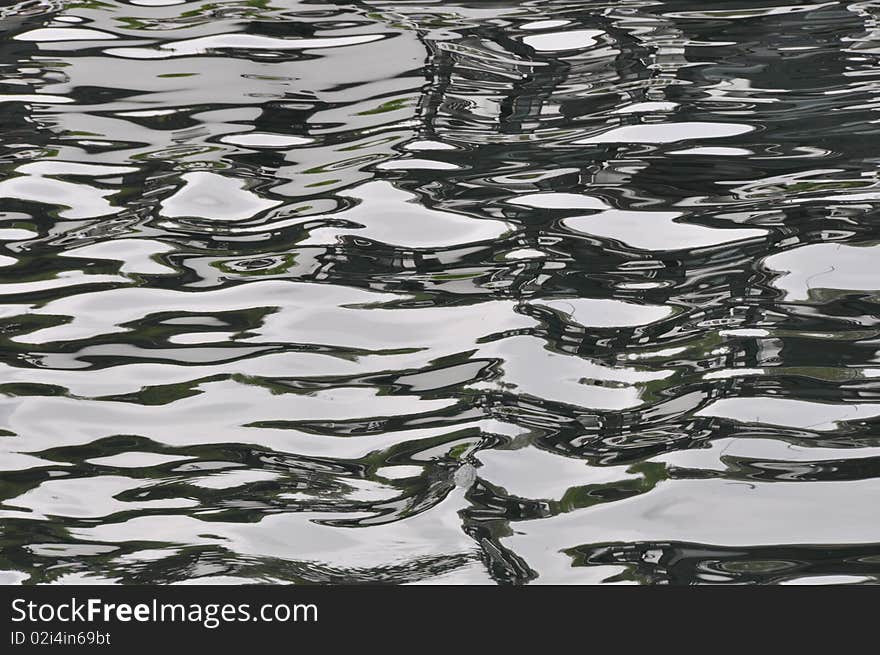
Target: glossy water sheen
column 474, row 292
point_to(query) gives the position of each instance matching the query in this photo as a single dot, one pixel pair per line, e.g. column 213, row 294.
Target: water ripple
column 553, row 292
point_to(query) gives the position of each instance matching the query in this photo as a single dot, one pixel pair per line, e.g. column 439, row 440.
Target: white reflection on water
column 438, row 292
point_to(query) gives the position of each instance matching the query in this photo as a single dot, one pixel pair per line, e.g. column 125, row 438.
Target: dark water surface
column 475, row 292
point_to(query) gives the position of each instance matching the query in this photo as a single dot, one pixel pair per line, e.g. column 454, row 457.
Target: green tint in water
column 552, row 292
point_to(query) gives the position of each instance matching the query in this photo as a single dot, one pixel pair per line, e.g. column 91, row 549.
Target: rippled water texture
column 473, row 292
